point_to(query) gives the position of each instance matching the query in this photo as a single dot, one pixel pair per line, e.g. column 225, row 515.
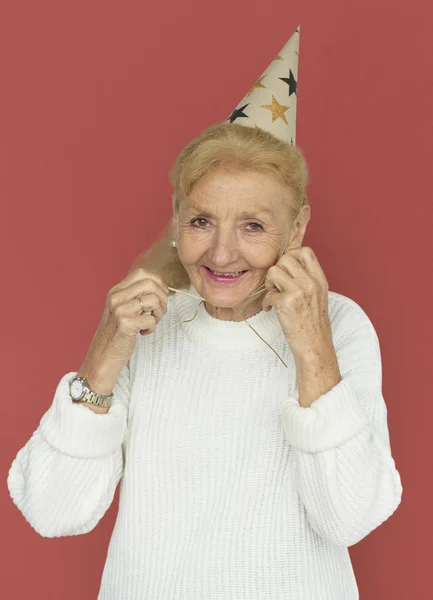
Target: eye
column 193, row 222
column 258, row 225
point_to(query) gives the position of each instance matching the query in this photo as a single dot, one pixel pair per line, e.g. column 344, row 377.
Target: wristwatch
column 80, row 391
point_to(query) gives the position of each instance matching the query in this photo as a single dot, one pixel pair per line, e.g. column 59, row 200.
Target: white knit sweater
column 230, row 490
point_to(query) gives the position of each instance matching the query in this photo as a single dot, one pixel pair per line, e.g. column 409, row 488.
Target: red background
column 97, row 98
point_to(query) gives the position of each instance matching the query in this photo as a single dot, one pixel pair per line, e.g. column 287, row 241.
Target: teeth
column 226, row 274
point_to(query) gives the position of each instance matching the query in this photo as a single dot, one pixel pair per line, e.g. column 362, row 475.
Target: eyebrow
column 246, row 214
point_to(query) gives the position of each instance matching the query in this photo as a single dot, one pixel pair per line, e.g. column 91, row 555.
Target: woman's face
column 234, row 221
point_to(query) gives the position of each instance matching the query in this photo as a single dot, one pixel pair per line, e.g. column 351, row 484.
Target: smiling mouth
column 216, row 272
column 223, row 278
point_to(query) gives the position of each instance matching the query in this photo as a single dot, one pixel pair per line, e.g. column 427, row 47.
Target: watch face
column 77, row 389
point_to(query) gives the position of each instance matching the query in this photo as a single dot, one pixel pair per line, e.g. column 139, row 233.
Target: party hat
column 271, row 102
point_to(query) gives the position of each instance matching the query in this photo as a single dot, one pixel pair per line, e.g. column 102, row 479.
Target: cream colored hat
column 271, row 103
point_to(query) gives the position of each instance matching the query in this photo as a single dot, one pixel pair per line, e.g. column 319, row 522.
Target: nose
column 223, row 247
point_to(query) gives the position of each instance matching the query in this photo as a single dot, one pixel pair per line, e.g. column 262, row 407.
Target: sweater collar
column 209, row 332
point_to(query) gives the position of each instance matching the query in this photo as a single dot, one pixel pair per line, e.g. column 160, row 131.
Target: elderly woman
column 252, row 445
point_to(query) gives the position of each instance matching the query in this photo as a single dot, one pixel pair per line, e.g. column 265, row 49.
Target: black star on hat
column 238, row 112
column 293, row 84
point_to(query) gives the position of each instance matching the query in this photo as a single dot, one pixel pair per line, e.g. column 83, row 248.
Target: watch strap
column 90, row 397
column 97, row 399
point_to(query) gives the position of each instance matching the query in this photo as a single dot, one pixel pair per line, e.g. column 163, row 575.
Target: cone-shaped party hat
column 271, row 102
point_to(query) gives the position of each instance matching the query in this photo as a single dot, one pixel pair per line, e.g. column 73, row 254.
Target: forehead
column 246, row 190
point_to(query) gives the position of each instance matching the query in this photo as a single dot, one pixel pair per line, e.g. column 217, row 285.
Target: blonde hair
column 226, row 146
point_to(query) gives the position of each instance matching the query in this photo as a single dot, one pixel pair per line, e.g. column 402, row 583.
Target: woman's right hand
column 114, row 341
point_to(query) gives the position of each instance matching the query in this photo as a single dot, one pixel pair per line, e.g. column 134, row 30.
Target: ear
column 173, row 225
column 300, row 226
column 298, row 230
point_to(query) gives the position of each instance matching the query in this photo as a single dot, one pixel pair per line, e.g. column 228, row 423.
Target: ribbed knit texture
column 230, row 490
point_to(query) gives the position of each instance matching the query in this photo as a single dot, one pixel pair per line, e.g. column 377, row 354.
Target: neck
column 221, row 334
column 224, row 313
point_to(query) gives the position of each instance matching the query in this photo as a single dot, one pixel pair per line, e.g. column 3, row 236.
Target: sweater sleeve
column 64, row 478
column 344, row 471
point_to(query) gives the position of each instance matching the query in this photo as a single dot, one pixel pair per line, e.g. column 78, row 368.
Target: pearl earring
column 173, row 242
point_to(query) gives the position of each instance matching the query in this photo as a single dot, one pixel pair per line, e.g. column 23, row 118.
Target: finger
column 151, row 304
column 278, row 279
column 293, row 266
column 148, row 290
column 139, row 274
column 140, row 284
column 275, row 297
column 308, row 260
column 143, row 287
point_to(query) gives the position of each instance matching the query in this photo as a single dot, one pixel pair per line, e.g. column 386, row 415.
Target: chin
column 225, row 298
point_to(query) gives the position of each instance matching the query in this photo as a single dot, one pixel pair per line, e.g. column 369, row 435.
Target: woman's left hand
column 300, row 300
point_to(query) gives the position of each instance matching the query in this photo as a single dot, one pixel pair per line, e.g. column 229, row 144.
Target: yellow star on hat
column 270, row 104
